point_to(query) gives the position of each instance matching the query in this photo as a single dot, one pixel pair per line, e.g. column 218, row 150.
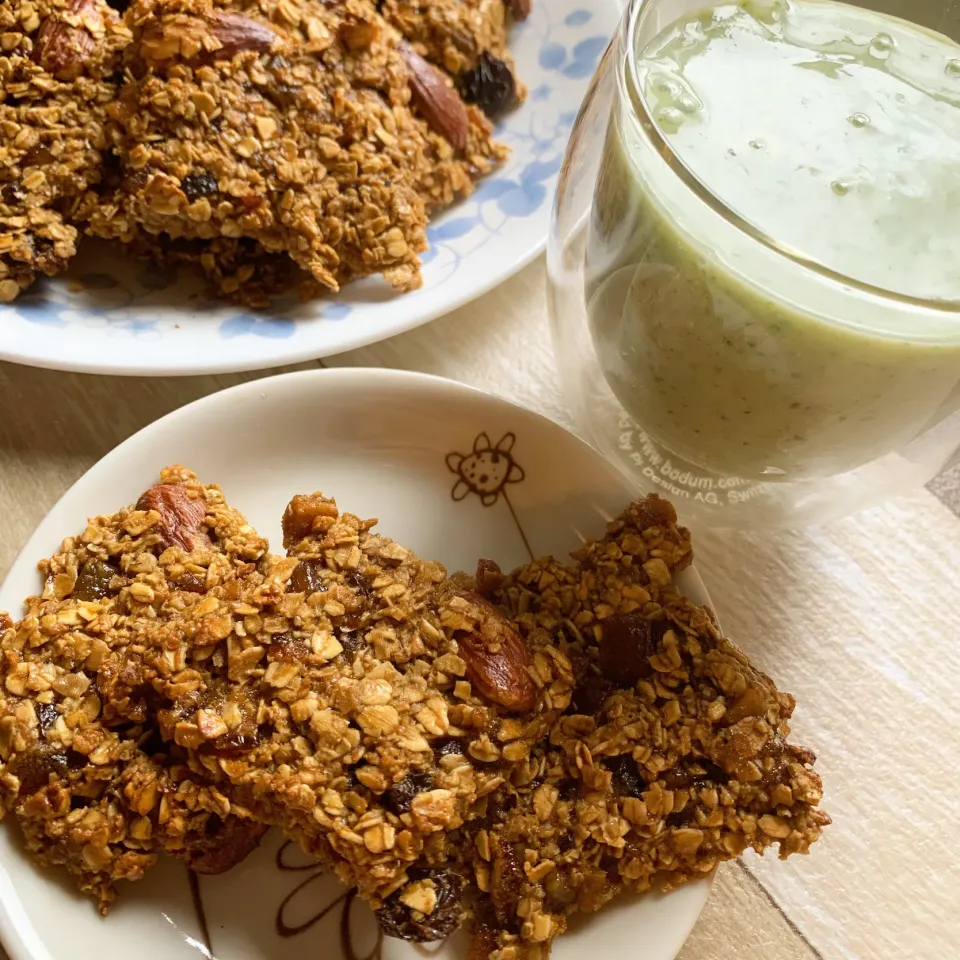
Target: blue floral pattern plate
column 108, row 315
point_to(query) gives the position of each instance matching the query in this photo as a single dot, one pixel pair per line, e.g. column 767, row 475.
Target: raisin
column 308, row 577
column 396, row 919
column 489, row 579
column 193, row 582
column 568, row 790
column 448, row 747
column 286, row 648
column 225, row 843
column 686, row 776
column 93, row 581
column 399, row 797
column 351, row 642
column 46, row 716
column 11, row 193
column 233, row 745
column 359, row 583
column 38, row 156
column 681, row 818
column 490, row 85
column 626, row 645
column 34, row 770
column 506, row 883
column 590, row 695
column 197, row 185
column 627, row 779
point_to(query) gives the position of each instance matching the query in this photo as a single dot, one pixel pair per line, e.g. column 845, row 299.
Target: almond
column 66, row 40
column 520, row 9
column 436, row 99
column 198, row 40
column 180, row 515
column 497, row 659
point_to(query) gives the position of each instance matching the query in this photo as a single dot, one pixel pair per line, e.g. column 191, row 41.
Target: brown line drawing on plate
column 486, row 472
column 199, row 910
column 345, row 901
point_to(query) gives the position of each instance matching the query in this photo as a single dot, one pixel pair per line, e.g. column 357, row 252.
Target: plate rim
column 185, row 356
column 111, row 366
column 17, row 933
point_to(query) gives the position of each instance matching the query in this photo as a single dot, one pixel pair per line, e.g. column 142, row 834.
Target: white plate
column 393, row 445
column 107, row 315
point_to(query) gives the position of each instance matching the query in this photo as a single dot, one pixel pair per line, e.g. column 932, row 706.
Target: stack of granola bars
column 494, row 750
column 268, row 143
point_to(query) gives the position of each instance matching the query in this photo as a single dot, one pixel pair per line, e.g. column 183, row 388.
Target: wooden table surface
column 858, row 619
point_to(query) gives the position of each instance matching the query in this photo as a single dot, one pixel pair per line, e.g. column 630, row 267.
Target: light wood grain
column 857, row 619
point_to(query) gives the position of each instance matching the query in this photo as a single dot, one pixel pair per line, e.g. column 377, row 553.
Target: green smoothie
column 773, row 271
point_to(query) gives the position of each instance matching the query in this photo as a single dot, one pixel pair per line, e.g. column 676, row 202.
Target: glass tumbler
column 755, row 302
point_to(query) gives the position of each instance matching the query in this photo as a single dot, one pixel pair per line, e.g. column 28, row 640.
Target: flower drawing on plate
column 487, row 470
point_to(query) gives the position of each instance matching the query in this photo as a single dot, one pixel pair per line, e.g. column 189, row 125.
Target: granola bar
column 57, row 65
column 369, row 703
column 289, row 124
column 82, row 769
column 178, row 689
column 672, row 758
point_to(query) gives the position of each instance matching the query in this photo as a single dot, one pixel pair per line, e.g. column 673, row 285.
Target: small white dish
column 451, row 472
column 108, row 315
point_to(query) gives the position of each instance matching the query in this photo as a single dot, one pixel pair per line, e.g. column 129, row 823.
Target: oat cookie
column 82, row 768
column 672, row 757
column 364, row 703
column 306, row 129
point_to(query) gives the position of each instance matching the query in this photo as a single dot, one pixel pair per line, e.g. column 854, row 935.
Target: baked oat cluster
column 496, row 750
column 267, row 143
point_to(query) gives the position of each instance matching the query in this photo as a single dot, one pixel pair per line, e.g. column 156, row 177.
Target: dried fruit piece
column 590, row 694
column 626, row 644
column 506, row 883
column 489, row 578
column 93, row 581
column 227, row 843
column 396, row 919
column 439, row 103
column 520, row 9
column 448, row 748
column 491, row 85
column 65, row 40
column 400, row 795
column 627, row 779
column 197, row 185
column 34, row 770
column 180, row 515
column 307, row 578
column 46, row 716
column 306, row 515
column 693, row 774
column 497, row 659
